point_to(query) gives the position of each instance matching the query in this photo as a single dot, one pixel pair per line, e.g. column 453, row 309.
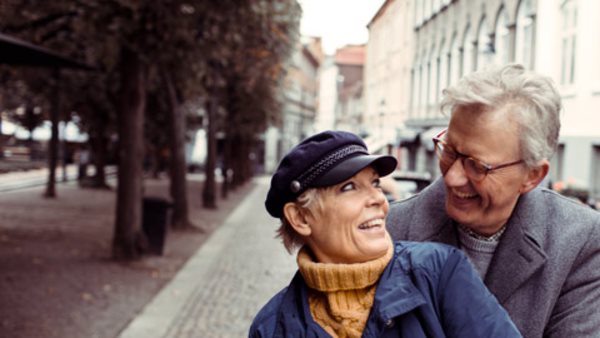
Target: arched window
column 569, row 41
column 468, row 64
column 485, row 47
column 442, row 71
column 431, row 77
column 454, row 64
column 502, row 42
column 524, row 34
column 424, row 83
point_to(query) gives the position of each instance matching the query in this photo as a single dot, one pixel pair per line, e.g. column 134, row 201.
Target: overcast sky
column 338, row 22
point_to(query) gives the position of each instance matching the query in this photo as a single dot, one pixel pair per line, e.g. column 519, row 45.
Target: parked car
column 409, row 183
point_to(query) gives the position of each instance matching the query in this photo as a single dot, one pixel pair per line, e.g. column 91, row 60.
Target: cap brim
column 383, row 164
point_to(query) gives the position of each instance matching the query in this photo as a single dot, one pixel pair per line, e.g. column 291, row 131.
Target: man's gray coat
column 546, row 268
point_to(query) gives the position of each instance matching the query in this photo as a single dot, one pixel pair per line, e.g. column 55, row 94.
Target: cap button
column 295, row 186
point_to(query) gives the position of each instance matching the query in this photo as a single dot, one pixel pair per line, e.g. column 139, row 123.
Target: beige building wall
column 387, row 69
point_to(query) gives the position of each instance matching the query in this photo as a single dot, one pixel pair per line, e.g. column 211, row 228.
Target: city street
column 221, row 288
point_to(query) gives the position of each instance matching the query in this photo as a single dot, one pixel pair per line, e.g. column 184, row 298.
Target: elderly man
column 538, row 252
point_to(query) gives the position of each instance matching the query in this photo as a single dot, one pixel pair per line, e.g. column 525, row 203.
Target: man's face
column 491, row 137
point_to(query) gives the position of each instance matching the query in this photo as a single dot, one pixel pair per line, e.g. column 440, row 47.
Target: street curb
column 157, row 317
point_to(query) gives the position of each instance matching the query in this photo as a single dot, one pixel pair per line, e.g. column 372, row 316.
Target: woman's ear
column 297, row 218
column 535, row 176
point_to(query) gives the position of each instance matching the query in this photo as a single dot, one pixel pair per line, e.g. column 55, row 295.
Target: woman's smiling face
column 349, row 225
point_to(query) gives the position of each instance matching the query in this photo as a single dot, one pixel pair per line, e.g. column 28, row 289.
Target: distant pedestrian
column 83, row 160
column 536, row 250
column 352, row 279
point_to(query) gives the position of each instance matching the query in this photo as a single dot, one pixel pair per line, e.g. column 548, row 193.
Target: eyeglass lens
column 448, row 156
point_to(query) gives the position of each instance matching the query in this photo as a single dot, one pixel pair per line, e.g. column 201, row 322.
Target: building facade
column 341, row 90
column 387, row 78
column 299, row 97
column 554, row 37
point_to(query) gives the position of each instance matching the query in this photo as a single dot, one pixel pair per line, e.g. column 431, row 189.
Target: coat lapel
column 436, row 226
column 519, row 254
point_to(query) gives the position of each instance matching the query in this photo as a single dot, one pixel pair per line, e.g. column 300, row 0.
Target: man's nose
column 456, row 175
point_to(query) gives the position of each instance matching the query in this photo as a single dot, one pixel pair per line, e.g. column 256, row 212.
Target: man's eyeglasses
column 474, row 168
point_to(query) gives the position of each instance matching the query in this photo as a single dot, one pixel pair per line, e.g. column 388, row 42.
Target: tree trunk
column 180, row 219
column 53, row 145
column 131, row 151
column 209, row 199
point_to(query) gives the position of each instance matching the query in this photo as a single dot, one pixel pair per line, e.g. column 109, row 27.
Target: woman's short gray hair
column 538, row 116
column 309, row 201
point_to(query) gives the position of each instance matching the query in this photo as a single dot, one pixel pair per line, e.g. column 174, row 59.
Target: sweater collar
column 329, row 277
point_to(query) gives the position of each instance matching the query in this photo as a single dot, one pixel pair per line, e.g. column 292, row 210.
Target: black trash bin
column 155, row 221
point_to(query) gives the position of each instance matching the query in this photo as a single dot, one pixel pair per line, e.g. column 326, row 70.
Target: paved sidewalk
column 220, row 289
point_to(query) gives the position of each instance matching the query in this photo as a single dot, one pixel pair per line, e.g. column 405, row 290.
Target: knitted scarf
column 340, row 296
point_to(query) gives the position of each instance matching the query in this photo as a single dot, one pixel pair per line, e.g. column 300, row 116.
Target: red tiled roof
column 350, row 55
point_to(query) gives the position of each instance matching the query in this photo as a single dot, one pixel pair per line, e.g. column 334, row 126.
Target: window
column 432, row 77
column 468, row 53
column 485, row 46
column 454, row 62
column 442, row 71
column 524, row 34
column 502, row 42
column 569, row 42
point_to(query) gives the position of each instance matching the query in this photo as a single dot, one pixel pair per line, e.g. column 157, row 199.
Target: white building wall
column 437, row 25
column 328, row 92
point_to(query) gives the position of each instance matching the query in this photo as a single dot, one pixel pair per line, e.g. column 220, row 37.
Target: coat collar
column 520, row 251
column 396, row 295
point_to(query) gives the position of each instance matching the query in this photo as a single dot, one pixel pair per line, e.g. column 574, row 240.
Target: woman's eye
column 347, row 187
column 377, row 183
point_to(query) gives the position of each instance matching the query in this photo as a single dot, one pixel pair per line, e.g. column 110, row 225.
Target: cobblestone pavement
column 222, row 287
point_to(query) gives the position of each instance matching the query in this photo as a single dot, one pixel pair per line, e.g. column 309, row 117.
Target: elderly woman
column 352, row 280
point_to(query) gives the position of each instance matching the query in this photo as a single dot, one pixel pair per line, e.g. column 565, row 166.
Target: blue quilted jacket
column 427, row 290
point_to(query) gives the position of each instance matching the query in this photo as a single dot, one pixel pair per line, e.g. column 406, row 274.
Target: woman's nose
column 376, row 196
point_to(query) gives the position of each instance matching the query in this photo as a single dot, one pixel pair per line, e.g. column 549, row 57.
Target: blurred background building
column 416, row 48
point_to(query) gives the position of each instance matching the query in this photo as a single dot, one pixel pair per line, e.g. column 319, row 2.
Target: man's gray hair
column 537, row 105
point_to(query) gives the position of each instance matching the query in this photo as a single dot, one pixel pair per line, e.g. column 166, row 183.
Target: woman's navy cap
column 322, row 160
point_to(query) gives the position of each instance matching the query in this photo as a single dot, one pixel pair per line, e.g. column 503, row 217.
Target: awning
column 407, row 136
column 428, row 135
column 378, row 144
column 18, row 52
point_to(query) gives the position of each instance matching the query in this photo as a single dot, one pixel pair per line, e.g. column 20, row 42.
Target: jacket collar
column 519, row 252
column 396, row 294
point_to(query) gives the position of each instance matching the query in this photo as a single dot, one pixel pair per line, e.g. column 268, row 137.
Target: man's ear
column 297, row 218
column 535, row 176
